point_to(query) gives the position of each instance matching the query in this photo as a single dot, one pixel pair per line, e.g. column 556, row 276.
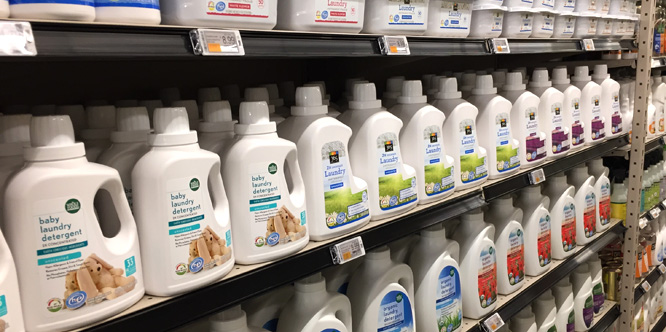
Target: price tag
column 642, row 222
column 537, row 176
column 346, row 251
column 663, row 205
column 588, row 44
column 500, row 46
column 662, row 268
column 16, row 39
column 217, row 42
column 655, row 213
column 394, row 45
column 493, row 323
column 646, row 286
column 656, row 63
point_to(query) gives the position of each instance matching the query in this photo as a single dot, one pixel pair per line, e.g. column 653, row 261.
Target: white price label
column 394, row 45
column 16, row 39
column 588, row 44
column 642, row 222
column 663, row 204
column 655, row 213
column 493, row 323
column 646, row 286
column 662, row 268
column 217, row 42
column 656, row 63
column 500, row 45
column 346, row 251
column 537, row 176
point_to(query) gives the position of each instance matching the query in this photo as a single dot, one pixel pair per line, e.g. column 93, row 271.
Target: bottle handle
column 297, row 193
column 127, row 234
column 342, row 308
column 219, row 196
column 453, row 248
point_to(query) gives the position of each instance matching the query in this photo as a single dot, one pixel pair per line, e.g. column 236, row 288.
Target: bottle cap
column 150, row 106
column 523, row 71
column 51, row 131
column 127, row 103
column 349, row 86
column 514, row 82
column 169, row 95
column 540, row 78
column 600, row 72
column 313, row 283
column 448, row 89
column 560, row 75
column 254, row 119
column 412, row 93
column 322, row 88
column 499, row 78
column 15, row 128
column 364, row 97
column 468, row 81
column 394, row 87
column 581, row 74
column 308, row 102
column 232, row 319
column 274, row 95
column 77, row 115
column 259, row 94
column 192, row 109
column 132, row 119
column 171, row 120
column 217, row 111
column 208, row 94
column 380, row 253
column 484, row 85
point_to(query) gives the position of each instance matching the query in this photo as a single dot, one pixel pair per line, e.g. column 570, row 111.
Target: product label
column 569, row 227
column 407, row 12
column 448, row 306
column 588, row 311
column 604, row 203
column 659, row 117
column 569, row 3
column 606, row 26
column 535, row 146
column 515, row 257
column 71, row 2
column 342, row 207
column 240, row 8
column 560, row 139
column 455, row 15
column 621, row 26
column 598, row 295
column 507, row 156
column 472, row 167
column 330, row 330
column 438, row 178
column 152, row 4
column 569, row 25
column 71, row 275
column 592, row 6
column 547, row 24
column 527, row 22
column 395, row 313
column 605, row 5
column 597, row 122
column 394, row 191
column 593, row 25
column 590, row 215
column 547, row 3
column 487, row 278
column 616, row 119
column 498, row 17
column 577, row 130
column 272, row 221
column 543, row 240
column 4, row 326
column 571, row 322
column 337, row 11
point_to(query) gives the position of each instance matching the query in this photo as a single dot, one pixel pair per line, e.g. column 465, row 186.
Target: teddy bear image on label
column 99, row 280
column 286, row 225
column 211, row 248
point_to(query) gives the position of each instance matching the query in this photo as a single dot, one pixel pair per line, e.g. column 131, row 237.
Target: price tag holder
column 537, row 176
column 493, row 323
column 16, row 39
column 663, row 205
column 662, row 268
column 654, row 213
column 394, row 45
column 214, row 42
column 642, row 222
column 646, row 286
column 587, row 44
column 347, row 251
column 500, row 46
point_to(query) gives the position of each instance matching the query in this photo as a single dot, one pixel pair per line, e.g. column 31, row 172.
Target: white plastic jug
column 451, row 19
column 590, row 102
column 545, row 311
column 602, row 188
column 251, row 14
column 562, row 214
column 76, row 10
column 263, row 311
column 396, row 17
column 509, row 242
column 231, row 320
column 586, row 204
column 597, row 283
column 257, row 168
column 337, row 277
column 571, row 104
column 11, row 314
column 55, row 190
column 14, row 136
column 128, row 11
column 537, row 226
column 583, row 299
column 324, row 16
column 393, row 91
column 551, row 114
column 564, row 300
column 96, row 137
column 524, row 321
column 610, row 101
column 216, row 131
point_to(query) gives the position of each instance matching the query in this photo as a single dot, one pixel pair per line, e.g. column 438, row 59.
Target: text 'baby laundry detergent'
column 181, row 209
column 268, row 215
column 552, row 117
column 571, row 106
column 590, row 106
column 586, row 204
column 375, row 153
column 422, row 132
column 562, row 215
column 71, row 274
column 337, row 200
column 510, row 244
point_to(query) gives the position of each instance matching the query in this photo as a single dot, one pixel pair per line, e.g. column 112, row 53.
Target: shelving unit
column 609, row 313
column 660, row 325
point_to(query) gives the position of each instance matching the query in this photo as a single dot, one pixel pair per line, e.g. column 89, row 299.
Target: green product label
column 552, row 329
column 394, row 191
column 472, row 167
column 438, row 179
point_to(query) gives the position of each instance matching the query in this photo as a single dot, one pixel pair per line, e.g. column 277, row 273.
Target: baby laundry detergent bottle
column 263, row 311
column 494, row 128
column 77, row 114
column 438, row 297
column 478, row 263
column 562, row 215
column 571, row 106
column 11, row 316
column 83, row 277
column 179, row 183
column 590, row 109
column 564, row 300
column 323, row 16
column 602, row 189
column 275, row 100
column 216, row 131
column 460, row 131
column 232, row 320
column 545, row 312
column 337, row 200
column 381, row 293
column 14, row 136
column 510, row 244
column 597, row 284
column 524, row 321
column 422, row 132
column 96, row 137
column 261, row 94
column 551, row 114
column 586, row 204
column 610, row 100
column 192, row 108
column 248, row 14
column 376, row 156
column 537, row 226
column 312, row 308
column 326, row 98
column 583, row 300
column 268, row 215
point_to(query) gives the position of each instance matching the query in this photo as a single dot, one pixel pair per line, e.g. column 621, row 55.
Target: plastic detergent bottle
column 571, row 105
column 323, row 16
column 437, row 283
column 525, row 121
column 178, row 172
column 659, row 99
column 619, row 196
column 610, row 100
column 545, row 312
column 586, row 204
column 128, row 11
column 509, row 242
column 77, row 115
column 326, row 98
column 653, row 109
column 263, row 311
column 192, row 108
column 316, row 308
column 337, row 277
column 375, row 154
column 537, row 226
column 91, row 266
column 590, row 105
column 602, row 188
column 494, row 128
column 337, row 200
column 562, row 214
column 14, row 136
column 261, row 94
column 275, row 100
column 396, row 17
column 257, row 169
column 402, row 248
column 467, row 83
column 252, row 14
column 4, row 9
column 478, row 263
column 76, row 10
column 393, row 91
column 101, row 121
column 11, row 316
column 598, row 294
column 564, row 301
column 551, row 114
column 381, row 293
column 524, row 321
column 583, row 299
column 460, row 128
column 422, row 126
column 216, row 131
column 449, row 18
column 208, row 94
column 231, row 320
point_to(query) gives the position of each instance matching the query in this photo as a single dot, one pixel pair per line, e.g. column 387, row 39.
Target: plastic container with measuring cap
column 450, row 19
column 487, row 21
column 586, row 26
column 565, row 25
column 321, row 15
column 251, row 14
column 543, row 24
column 518, row 22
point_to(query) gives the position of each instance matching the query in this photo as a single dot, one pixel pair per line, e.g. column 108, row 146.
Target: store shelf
column 609, row 313
column 658, row 61
column 654, row 143
column 509, row 305
column 526, row 46
column 659, row 325
column 651, row 278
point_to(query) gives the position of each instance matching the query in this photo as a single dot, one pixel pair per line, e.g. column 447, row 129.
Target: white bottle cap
column 434, row 231
column 15, row 129
column 523, row 71
column 231, row 92
column 581, row 74
column 412, row 93
column 322, row 89
column 77, row 115
column 127, row 103
column 259, row 94
column 51, row 131
column 364, row 97
column 426, row 80
column 101, row 117
column 474, row 215
column 132, row 119
column 254, row 119
column 208, row 94
column 171, row 120
column 274, row 95
column 600, row 72
column 151, row 105
column 169, row 95
column 230, row 320
column 394, row 87
column 349, row 86
column 499, row 78
column 560, row 75
column 308, row 102
column 192, row 109
column 433, row 86
column 514, row 82
column 468, row 80
column 484, row 85
column 313, row 283
column 217, row 111
column 448, row 89
column 42, row 110
column 540, row 78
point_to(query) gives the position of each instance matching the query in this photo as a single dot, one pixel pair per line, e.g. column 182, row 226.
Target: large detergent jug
column 603, row 192
column 571, row 105
column 96, row 137
column 597, row 284
column 564, row 301
column 11, row 315
column 231, row 320
column 14, row 136
column 537, row 226
column 583, row 299
column 590, row 105
column 545, row 312
column 562, row 215
column 510, row 244
column 586, row 204
column 249, row 14
column 551, row 114
column 216, row 131
column 610, row 101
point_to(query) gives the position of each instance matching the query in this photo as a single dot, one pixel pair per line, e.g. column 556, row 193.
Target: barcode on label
column 348, row 250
